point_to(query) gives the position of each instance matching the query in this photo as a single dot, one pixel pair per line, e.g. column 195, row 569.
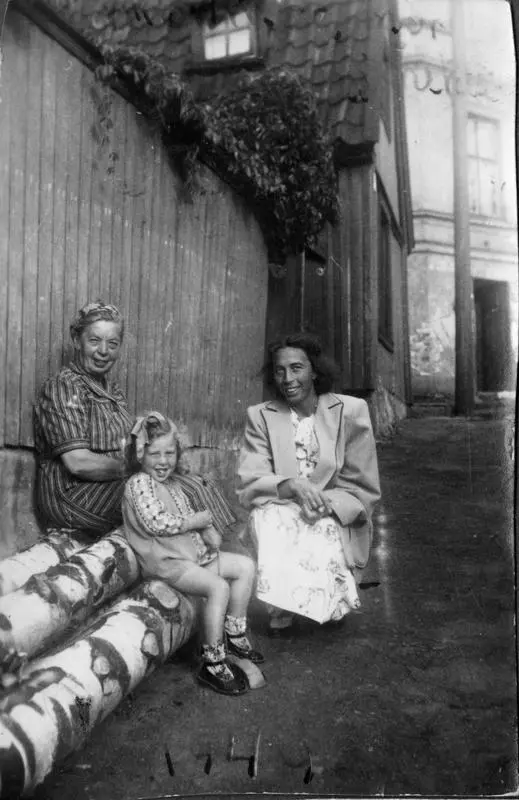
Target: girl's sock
column 211, row 655
column 236, row 627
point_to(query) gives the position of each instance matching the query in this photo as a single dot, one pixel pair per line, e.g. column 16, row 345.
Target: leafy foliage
column 163, row 98
column 265, row 138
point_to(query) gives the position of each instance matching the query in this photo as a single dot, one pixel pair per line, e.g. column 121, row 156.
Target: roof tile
column 333, row 44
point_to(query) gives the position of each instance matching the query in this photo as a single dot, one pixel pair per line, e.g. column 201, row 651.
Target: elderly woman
column 81, row 425
column 308, row 473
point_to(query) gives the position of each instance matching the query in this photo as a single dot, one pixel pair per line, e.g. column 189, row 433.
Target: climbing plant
column 264, row 137
column 163, row 97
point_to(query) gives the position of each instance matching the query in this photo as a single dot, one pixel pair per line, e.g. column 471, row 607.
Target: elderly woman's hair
column 326, row 370
column 95, row 312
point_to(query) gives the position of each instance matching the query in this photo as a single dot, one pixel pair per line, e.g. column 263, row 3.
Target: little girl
column 181, row 547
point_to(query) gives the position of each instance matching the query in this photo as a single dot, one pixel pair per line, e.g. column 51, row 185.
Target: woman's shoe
column 224, row 684
column 243, row 652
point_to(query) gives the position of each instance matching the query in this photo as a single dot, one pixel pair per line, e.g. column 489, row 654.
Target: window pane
column 241, row 20
column 211, row 30
column 215, row 47
column 486, row 139
column 471, row 137
column 488, row 189
column 239, row 42
column 473, row 186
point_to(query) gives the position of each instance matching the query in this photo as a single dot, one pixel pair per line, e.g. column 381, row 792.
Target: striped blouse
column 74, row 411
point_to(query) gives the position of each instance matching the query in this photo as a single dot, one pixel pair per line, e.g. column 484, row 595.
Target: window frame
column 385, row 321
column 500, row 211
column 226, row 34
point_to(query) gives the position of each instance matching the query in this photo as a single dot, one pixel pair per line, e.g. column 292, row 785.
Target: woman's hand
column 311, row 516
column 211, row 537
column 305, row 494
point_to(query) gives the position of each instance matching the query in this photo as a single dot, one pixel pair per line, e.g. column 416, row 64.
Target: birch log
column 18, row 568
column 63, row 696
column 36, row 615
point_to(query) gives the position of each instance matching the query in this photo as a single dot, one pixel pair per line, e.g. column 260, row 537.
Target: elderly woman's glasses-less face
column 293, row 374
column 98, row 347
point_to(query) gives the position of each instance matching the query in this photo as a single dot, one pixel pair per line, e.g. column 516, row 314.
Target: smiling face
column 294, row 375
column 98, row 347
column 160, row 457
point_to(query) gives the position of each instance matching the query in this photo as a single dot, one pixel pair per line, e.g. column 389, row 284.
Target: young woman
column 308, row 473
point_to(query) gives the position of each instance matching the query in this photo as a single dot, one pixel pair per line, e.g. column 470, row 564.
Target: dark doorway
column 493, row 336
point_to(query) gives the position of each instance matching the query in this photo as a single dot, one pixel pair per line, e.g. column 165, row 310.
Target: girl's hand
column 204, row 519
column 305, row 494
column 197, row 521
column 211, row 537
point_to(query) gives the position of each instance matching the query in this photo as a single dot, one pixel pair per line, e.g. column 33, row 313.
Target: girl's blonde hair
column 146, row 429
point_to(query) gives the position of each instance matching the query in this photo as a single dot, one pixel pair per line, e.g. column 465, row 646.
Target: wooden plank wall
column 79, row 221
column 358, row 242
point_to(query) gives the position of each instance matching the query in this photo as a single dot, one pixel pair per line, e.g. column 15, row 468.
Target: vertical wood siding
column 359, row 242
column 80, row 221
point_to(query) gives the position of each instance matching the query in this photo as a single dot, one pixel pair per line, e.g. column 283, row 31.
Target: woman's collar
column 102, row 386
column 327, row 400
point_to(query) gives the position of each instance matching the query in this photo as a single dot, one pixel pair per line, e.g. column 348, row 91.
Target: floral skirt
column 302, row 568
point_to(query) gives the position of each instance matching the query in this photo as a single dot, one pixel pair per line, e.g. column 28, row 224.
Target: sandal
column 243, row 652
column 224, row 685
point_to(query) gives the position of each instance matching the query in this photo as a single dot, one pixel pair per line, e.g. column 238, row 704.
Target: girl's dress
column 303, row 567
column 153, row 514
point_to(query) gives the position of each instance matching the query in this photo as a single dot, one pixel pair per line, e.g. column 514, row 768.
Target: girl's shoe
column 243, row 652
column 231, row 681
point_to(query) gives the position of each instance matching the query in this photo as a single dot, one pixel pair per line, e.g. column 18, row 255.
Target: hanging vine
column 265, row 138
column 163, row 98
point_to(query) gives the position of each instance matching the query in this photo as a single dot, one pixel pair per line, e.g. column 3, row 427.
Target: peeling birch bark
column 63, row 696
column 18, row 568
column 37, row 614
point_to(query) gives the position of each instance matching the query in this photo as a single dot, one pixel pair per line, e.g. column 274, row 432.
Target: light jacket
column 346, row 471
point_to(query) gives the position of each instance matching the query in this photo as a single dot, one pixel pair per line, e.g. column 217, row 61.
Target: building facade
column 487, row 51
column 351, row 290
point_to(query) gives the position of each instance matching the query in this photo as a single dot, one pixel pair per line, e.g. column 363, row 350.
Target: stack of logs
column 78, row 632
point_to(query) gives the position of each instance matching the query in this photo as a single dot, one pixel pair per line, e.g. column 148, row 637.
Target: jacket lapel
column 279, row 424
column 328, row 420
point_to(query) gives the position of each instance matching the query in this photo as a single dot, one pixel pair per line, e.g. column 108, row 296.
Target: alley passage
column 415, row 694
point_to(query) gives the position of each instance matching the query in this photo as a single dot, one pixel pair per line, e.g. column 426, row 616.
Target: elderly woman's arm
column 89, row 466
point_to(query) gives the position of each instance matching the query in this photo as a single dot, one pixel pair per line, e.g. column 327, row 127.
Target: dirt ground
column 416, row 693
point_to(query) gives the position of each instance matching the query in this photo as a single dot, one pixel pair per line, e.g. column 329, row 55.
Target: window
column 385, row 289
column 483, row 149
column 231, row 37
